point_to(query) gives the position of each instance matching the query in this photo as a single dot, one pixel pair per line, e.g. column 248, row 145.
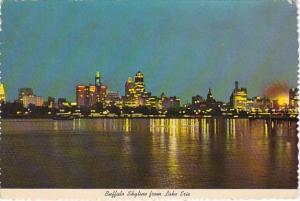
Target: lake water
column 149, row 153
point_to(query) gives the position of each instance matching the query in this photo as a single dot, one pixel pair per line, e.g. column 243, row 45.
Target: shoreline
column 153, row 117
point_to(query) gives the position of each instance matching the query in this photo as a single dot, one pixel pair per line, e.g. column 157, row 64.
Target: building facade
column 32, row 100
column 88, row 95
column 24, row 92
column 293, row 98
column 129, row 87
column 2, row 93
column 239, row 98
column 139, row 86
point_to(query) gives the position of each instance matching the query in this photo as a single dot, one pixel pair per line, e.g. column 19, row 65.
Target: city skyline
column 176, row 54
column 154, row 99
column 95, row 100
column 281, row 95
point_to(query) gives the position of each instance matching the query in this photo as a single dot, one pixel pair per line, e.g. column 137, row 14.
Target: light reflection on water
column 149, row 153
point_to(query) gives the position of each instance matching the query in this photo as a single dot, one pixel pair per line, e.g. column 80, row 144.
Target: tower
column 209, row 95
column 239, row 98
column 82, row 95
column 139, row 77
column 129, row 86
column 236, row 85
column 139, row 85
column 98, row 79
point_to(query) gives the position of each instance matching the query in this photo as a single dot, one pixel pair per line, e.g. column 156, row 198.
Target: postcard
column 149, row 100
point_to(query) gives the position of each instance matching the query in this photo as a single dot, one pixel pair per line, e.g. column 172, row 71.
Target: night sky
column 182, row 47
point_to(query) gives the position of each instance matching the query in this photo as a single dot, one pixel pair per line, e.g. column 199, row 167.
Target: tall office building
column 139, row 86
column 92, row 95
column 81, row 95
column 239, row 97
column 129, row 87
column 2, row 93
column 101, row 92
column 88, row 95
column 293, row 98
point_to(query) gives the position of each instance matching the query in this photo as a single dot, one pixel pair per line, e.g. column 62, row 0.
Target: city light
column 96, row 101
column 283, row 100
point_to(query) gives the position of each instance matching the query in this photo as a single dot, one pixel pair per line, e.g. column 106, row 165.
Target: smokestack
column 236, row 85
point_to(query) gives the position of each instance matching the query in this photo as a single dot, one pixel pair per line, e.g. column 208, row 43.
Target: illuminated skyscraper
column 239, row 97
column 293, row 98
column 139, row 86
column 2, row 93
column 129, row 87
column 82, row 95
column 101, row 92
column 92, row 95
column 98, row 79
column 88, row 95
column 152, row 101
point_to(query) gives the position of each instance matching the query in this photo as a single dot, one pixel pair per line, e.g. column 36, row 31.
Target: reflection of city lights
column 266, row 128
column 127, row 125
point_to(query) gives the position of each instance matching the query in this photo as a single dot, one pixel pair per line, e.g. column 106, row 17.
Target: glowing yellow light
column 282, row 100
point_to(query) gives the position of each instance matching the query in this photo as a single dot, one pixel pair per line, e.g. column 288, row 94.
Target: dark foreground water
column 149, row 153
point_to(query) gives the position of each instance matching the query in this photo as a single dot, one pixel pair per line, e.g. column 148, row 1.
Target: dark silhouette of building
column 51, row 102
column 293, row 98
column 169, row 102
column 198, row 101
column 62, row 102
column 210, row 98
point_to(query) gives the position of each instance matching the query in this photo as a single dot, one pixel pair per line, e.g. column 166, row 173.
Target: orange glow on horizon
column 278, row 91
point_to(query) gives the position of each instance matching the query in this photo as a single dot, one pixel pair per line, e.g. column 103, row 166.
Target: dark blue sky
column 182, row 47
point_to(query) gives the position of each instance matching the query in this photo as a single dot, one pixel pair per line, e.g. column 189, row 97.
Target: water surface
column 149, row 153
